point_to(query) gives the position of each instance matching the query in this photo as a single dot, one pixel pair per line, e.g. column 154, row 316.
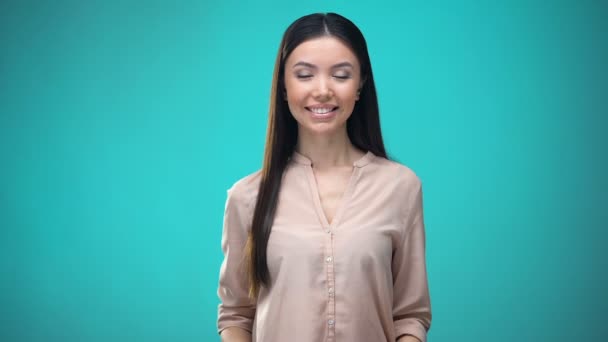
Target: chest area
column 330, row 188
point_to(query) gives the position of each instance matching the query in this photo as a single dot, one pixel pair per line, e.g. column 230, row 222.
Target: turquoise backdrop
column 123, row 123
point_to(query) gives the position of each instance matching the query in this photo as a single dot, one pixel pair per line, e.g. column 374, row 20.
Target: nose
column 322, row 89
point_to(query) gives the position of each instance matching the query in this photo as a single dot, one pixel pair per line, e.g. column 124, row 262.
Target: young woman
column 326, row 242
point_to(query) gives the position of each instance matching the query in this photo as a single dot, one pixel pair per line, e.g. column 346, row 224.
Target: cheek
column 293, row 98
column 349, row 94
column 297, row 95
column 291, row 90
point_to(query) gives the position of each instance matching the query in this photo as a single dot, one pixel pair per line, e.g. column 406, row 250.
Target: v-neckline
column 346, row 195
column 342, row 203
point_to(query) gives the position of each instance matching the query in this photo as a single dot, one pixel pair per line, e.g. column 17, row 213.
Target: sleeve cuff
column 242, row 318
column 223, row 327
column 412, row 327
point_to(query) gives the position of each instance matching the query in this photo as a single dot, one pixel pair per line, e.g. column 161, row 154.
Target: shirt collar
column 301, row 159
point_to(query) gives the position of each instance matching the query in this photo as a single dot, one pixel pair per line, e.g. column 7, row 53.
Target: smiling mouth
column 321, row 110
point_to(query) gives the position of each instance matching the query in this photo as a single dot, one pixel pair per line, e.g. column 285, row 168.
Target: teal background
column 123, row 123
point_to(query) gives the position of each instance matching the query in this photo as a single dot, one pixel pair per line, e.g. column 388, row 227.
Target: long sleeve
column 411, row 299
column 235, row 309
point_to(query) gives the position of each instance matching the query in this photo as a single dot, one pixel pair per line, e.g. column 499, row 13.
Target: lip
column 325, row 116
column 322, row 106
column 331, row 108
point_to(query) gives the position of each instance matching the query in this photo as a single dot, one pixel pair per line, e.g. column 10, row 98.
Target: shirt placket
column 329, row 246
column 331, row 304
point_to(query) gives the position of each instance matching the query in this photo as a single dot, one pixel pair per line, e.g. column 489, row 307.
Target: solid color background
column 123, row 123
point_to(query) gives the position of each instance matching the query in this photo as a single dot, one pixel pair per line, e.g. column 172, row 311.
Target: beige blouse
column 361, row 278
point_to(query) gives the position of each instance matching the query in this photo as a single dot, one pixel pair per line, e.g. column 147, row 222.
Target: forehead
column 322, row 51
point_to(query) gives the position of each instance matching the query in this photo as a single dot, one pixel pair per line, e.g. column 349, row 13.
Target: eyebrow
column 335, row 66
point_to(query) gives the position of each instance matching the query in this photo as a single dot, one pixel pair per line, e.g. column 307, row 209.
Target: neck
column 328, row 151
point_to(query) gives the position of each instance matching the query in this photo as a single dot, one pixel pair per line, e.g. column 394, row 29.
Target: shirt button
column 331, row 322
column 331, row 291
column 328, row 259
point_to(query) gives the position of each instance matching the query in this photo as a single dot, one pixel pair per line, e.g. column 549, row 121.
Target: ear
column 361, row 83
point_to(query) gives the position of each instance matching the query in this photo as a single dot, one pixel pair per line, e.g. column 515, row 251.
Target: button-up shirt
column 360, row 278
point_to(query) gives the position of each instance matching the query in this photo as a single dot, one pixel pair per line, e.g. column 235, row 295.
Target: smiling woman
column 320, row 92
column 326, row 242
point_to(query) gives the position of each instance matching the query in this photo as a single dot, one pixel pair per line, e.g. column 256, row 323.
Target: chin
column 322, row 129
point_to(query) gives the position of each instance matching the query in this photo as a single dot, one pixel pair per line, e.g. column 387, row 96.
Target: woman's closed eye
column 342, row 77
column 303, row 76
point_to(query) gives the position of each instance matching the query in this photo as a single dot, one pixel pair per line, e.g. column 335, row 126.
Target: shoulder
column 396, row 174
column 405, row 188
column 244, row 191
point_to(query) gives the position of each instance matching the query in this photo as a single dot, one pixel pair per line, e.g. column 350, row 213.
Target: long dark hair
column 363, row 127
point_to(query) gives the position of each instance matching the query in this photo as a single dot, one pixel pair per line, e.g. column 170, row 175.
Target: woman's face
column 322, row 78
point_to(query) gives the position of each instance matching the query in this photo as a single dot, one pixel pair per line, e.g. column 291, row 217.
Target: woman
column 326, row 241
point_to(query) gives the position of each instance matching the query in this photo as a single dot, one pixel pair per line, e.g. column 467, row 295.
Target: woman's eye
column 303, row 76
column 342, row 77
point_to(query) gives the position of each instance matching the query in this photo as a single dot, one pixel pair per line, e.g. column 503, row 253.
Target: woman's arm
column 235, row 334
column 236, row 311
column 411, row 300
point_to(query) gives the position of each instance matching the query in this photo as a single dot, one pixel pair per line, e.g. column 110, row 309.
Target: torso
column 355, row 260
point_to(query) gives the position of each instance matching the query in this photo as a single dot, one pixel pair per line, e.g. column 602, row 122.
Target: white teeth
column 321, row 110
